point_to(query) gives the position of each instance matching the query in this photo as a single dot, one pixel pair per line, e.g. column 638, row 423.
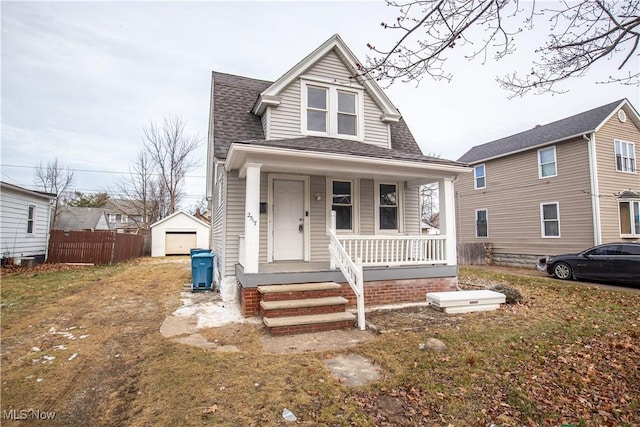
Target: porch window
column 388, row 206
column 480, row 177
column 342, row 203
column 625, row 156
column 481, row 223
column 31, row 217
column 550, row 219
column 629, row 218
column 316, row 109
column 547, row 162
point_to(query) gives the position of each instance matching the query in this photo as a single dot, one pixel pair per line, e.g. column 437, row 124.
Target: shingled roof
column 234, row 97
column 570, row 127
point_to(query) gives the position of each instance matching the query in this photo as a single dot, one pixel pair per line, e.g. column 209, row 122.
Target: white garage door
column 180, row 243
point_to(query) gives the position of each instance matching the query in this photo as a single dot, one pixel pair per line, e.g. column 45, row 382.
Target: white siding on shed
column 179, row 223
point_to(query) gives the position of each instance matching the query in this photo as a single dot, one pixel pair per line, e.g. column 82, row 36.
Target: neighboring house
column 203, row 216
column 561, row 187
column 429, row 227
column 126, row 216
column 283, row 155
column 25, row 217
column 77, row 219
column 177, row 234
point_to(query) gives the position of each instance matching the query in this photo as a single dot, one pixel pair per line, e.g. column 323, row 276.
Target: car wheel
column 562, row 271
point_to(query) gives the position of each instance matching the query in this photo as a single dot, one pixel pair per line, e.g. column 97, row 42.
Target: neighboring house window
column 330, row 110
column 112, row 217
column 629, row 218
column 481, row 223
column 625, row 156
column 31, row 217
column 480, row 177
column 124, row 218
column 547, row 162
column 388, row 207
column 550, row 218
column 342, row 203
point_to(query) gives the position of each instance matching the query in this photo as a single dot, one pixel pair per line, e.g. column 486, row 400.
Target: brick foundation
column 375, row 292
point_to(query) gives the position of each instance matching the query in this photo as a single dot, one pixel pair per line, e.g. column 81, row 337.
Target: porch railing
column 351, row 270
column 395, row 250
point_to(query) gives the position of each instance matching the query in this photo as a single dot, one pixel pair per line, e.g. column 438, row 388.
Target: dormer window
column 332, row 110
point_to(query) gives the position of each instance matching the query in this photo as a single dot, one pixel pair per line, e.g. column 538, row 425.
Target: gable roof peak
column 334, row 43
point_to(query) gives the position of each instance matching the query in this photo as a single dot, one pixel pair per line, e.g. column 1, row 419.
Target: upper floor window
column 479, row 176
column 550, row 219
column 31, row 217
column 547, row 162
column 481, row 223
column 629, row 218
column 330, row 110
column 625, row 156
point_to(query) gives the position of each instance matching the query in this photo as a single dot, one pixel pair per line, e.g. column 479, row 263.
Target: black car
column 611, row 262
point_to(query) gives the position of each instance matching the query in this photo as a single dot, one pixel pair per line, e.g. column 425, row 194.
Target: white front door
column 288, row 220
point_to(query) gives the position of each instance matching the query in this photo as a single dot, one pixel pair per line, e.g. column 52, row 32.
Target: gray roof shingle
column 582, row 123
column 75, row 218
column 234, row 97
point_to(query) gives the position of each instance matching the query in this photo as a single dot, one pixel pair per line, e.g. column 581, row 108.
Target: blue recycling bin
column 194, row 251
column 202, row 271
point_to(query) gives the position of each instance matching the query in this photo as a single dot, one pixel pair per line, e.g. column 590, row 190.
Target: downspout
column 594, row 190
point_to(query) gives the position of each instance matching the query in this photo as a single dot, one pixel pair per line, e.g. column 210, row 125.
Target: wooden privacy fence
column 95, row 247
column 472, row 254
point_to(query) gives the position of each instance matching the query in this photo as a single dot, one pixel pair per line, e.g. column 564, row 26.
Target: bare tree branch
column 55, row 179
column 582, row 33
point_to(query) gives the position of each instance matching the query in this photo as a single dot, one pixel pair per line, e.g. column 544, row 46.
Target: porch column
column 448, row 218
column 251, row 216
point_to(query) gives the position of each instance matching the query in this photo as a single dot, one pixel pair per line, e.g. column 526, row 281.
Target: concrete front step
column 309, row 323
column 302, row 303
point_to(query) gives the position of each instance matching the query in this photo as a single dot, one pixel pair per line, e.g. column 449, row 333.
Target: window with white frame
column 480, row 177
column 31, row 218
column 629, row 211
column 625, row 156
column 550, row 219
column 388, row 202
column 547, row 162
column 330, row 110
column 342, row 203
column 482, row 229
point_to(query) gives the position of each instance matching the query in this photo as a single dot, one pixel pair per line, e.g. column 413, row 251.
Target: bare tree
column 429, row 201
column 140, row 188
column 170, row 150
column 55, row 179
column 581, row 33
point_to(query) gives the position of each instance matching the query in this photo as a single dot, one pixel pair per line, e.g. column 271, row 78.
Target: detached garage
column 177, row 234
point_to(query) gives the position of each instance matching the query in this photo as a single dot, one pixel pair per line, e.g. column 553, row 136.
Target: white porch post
column 448, row 218
column 251, row 216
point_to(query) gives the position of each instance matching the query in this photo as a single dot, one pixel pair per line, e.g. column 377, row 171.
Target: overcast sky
column 81, row 79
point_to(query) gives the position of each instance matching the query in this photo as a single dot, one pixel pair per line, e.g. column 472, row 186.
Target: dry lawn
column 84, row 343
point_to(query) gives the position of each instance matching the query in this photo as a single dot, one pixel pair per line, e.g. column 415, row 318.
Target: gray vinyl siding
column 611, row 181
column 319, row 239
column 218, row 219
column 513, row 195
column 284, row 121
column 234, row 220
column 412, row 210
column 16, row 242
column 367, row 207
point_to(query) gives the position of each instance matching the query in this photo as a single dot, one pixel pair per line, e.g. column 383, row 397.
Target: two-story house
column 314, row 179
column 561, row 187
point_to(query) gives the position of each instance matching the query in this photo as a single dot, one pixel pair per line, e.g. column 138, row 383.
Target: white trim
column 486, row 214
column 399, row 206
column 555, row 162
column 475, row 178
column 32, row 219
column 631, row 218
column 355, row 203
column 631, row 149
column 542, row 220
column 307, row 208
column 595, row 199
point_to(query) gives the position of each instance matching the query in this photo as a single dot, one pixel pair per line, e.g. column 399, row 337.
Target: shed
column 177, row 234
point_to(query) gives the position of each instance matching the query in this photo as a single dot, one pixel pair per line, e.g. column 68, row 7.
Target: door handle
column 301, row 228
